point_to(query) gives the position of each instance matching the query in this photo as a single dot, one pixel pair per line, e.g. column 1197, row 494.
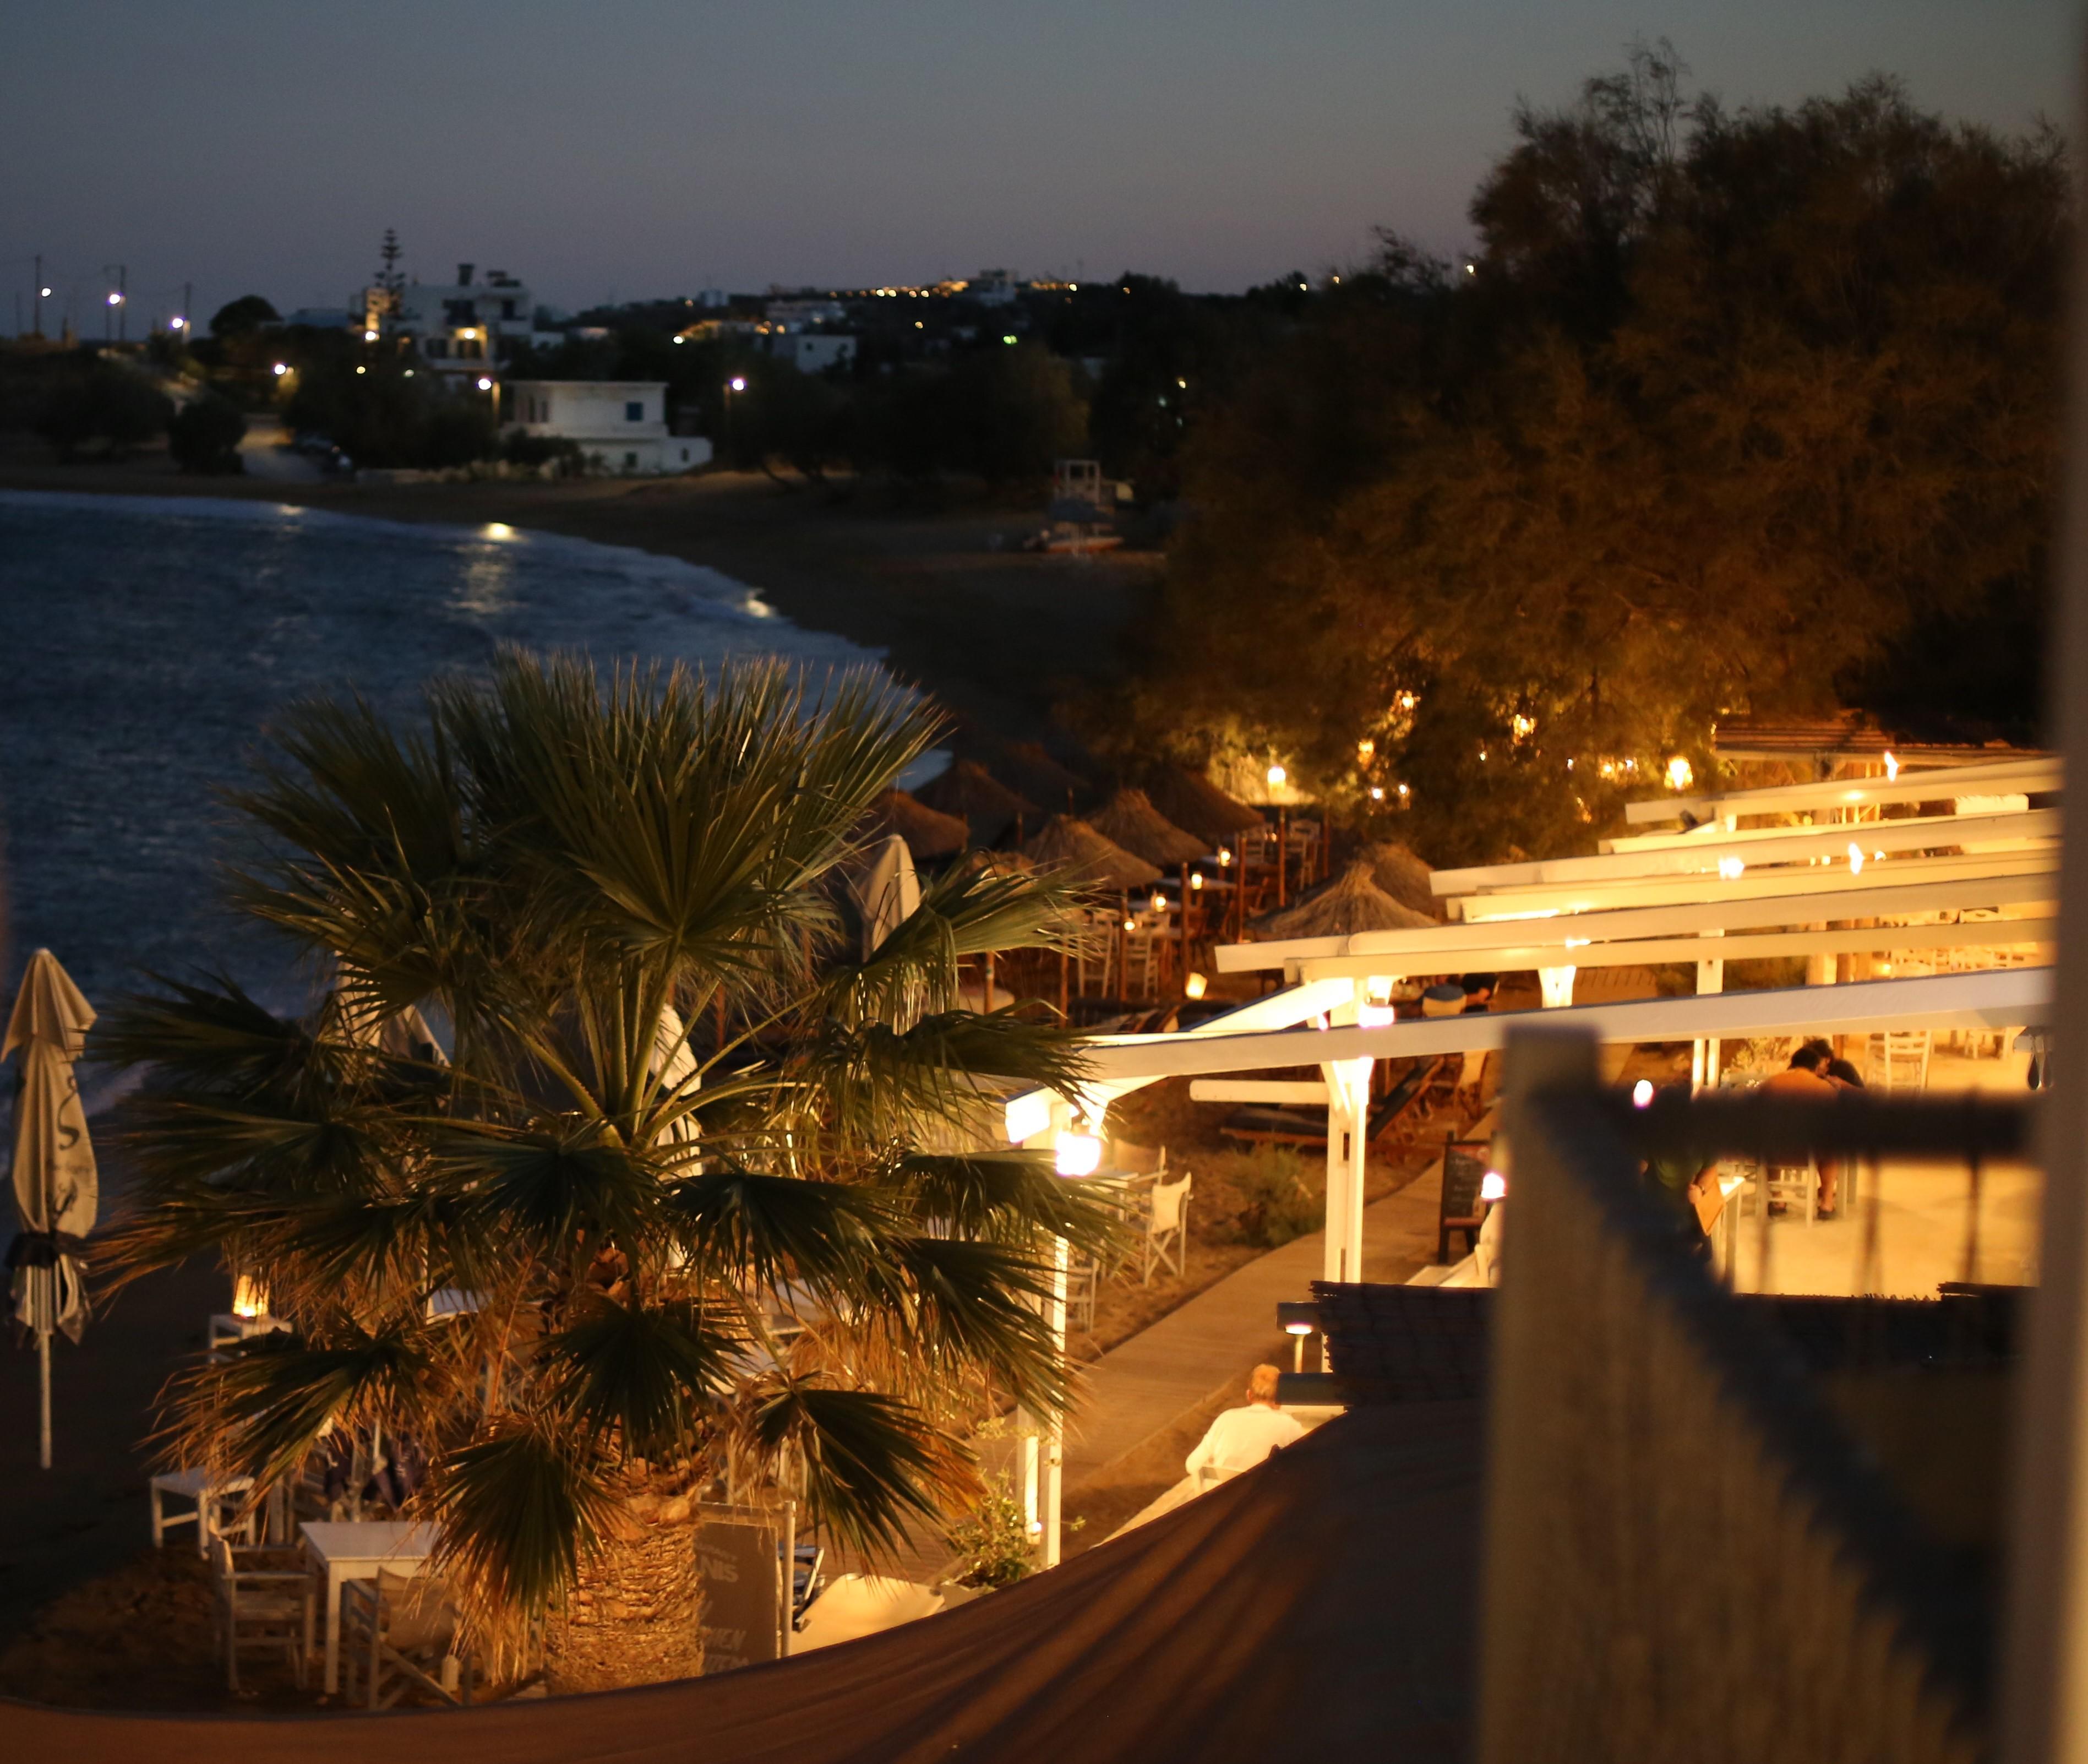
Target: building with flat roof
column 619, row 425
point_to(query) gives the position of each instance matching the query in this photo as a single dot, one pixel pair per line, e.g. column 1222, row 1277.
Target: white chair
column 1167, row 1227
column 216, row 1508
column 1899, row 1059
column 401, row 1631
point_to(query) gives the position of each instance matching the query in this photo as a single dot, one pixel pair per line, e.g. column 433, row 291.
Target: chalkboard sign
column 737, row 1556
column 1465, row 1165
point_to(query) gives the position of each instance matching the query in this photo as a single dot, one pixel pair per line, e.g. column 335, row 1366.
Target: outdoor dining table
column 342, row 1549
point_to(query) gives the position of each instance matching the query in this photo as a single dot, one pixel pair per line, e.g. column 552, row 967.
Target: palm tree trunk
column 635, row 1615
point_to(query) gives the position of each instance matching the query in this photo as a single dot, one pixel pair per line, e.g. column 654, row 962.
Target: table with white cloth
column 341, row 1550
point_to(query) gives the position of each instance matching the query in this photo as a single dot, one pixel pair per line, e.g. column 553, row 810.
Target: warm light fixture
column 1891, row 766
column 1196, row 879
column 1078, row 1154
column 1680, row 774
column 1404, row 791
column 484, row 385
column 115, row 299
column 1159, row 902
column 1131, row 924
column 362, row 370
column 1493, row 1186
column 1225, row 856
column 282, row 368
column 1365, row 749
column 737, row 383
column 1642, row 1094
column 1278, row 776
column 1193, row 986
column 1855, row 859
column 250, row 1298
column 1729, row 868
column 1377, row 793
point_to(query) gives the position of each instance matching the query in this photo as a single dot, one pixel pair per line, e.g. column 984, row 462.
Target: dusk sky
column 631, row 149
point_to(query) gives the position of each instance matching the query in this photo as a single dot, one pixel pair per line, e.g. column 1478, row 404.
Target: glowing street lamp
column 281, row 369
column 1078, row 1154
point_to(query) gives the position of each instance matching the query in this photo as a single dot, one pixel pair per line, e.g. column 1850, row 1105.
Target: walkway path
column 1210, row 1343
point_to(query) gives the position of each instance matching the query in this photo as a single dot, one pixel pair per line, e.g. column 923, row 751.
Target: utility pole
column 188, row 317
column 37, row 302
column 122, row 304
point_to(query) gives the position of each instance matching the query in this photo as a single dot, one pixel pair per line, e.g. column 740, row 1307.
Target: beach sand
column 998, row 637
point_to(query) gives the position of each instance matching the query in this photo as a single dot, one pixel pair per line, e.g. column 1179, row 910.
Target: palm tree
column 610, row 1247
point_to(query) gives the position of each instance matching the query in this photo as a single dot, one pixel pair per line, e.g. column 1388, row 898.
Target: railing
column 1688, row 1557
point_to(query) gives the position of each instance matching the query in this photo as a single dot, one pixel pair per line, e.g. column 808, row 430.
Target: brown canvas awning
column 1319, row 1608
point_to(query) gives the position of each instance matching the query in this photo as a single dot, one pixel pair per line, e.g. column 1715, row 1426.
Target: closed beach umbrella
column 1352, row 902
column 1197, row 805
column 928, row 834
column 1087, row 858
column 885, row 891
column 1130, row 819
column 56, row 1189
column 985, row 804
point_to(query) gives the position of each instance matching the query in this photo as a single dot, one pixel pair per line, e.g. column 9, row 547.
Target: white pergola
column 1715, row 893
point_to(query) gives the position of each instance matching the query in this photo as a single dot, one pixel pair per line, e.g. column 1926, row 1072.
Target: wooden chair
column 265, row 1599
column 1084, row 1276
column 1459, row 1208
column 400, row 1631
column 1899, row 1059
column 1167, row 1227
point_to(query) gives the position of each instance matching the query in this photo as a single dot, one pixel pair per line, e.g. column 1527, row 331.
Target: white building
column 803, row 315
column 812, row 354
column 465, row 329
column 620, row 424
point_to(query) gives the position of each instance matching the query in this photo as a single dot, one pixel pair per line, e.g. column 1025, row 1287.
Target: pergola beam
column 2021, row 775
column 1757, row 847
column 1858, row 898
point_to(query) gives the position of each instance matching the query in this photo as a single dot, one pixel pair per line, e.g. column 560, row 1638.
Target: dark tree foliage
column 238, row 318
column 1749, row 412
column 389, row 414
column 205, row 435
column 101, row 407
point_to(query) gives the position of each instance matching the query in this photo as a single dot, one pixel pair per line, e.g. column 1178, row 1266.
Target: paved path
column 1211, row 1343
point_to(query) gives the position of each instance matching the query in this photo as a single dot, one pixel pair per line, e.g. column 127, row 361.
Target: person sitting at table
column 1806, row 1076
column 1478, row 991
column 1446, row 998
column 1239, row 1439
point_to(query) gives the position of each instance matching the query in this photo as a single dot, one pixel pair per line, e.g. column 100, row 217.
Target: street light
column 736, row 383
column 281, row 369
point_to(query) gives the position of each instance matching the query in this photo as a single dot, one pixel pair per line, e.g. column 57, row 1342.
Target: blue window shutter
column 635, row 411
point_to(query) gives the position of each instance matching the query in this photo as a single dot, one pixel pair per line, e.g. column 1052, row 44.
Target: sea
column 145, row 643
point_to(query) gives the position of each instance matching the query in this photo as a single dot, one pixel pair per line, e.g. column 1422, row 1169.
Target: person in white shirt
column 1240, row 1439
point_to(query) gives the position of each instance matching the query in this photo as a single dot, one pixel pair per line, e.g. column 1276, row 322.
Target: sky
column 629, row 149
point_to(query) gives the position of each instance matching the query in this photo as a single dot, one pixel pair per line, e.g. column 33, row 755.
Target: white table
column 343, row 1551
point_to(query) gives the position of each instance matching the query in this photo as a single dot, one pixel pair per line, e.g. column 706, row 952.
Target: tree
column 1748, row 412
column 640, row 1214
column 101, row 403
column 205, row 435
column 242, row 317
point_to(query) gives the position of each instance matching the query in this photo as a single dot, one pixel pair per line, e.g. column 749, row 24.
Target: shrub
column 205, row 435
column 106, row 404
column 994, row 1540
column 1280, row 1202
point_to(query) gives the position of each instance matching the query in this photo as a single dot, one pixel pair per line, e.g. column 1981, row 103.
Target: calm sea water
column 146, row 642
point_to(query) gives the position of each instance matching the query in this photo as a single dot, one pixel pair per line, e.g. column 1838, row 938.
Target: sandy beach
column 996, row 635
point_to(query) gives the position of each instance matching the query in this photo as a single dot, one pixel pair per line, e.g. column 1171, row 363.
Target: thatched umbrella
column 1130, row 819
column 1026, row 766
column 1087, row 858
column 1197, row 805
column 985, row 804
column 928, row 834
column 1405, row 877
column 1351, row 902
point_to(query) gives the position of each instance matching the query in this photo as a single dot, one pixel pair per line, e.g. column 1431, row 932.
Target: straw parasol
column 928, row 833
column 1087, row 858
column 1350, row 903
column 1130, row 819
column 987, row 805
column 1197, row 805
column 1025, row 765
column 57, row 1187
column 1405, row 877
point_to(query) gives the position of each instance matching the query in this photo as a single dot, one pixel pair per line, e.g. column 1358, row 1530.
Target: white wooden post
column 1053, row 1452
column 1557, row 987
column 2044, row 1641
column 1703, row 1054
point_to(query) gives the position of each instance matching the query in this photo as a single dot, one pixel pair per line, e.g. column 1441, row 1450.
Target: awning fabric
column 1320, row 1607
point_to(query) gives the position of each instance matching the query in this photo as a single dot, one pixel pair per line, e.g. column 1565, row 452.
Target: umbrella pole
column 44, row 1397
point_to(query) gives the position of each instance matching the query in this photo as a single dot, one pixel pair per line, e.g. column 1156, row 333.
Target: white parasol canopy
column 57, row 1189
column 885, row 890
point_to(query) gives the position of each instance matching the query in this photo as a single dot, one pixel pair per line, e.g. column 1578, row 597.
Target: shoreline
column 998, row 637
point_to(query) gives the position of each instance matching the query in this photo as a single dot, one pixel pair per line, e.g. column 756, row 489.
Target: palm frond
column 976, row 1305
column 772, row 1231
column 871, row 1461
column 638, row 1371
column 1004, row 1196
column 516, row 1508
